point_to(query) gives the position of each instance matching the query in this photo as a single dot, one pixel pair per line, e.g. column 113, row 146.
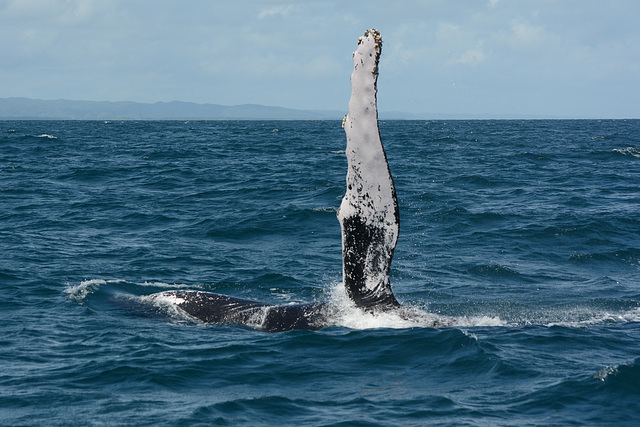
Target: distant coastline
column 63, row 109
column 38, row 109
column 18, row 108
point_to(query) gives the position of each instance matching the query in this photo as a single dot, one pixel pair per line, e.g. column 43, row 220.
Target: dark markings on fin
column 364, row 246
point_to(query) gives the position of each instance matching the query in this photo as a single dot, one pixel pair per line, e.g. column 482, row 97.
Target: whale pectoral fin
column 368, row 215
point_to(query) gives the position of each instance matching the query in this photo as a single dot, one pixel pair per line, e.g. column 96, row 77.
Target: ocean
column 527, row 232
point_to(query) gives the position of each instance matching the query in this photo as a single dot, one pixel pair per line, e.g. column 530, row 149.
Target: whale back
column 368, row 214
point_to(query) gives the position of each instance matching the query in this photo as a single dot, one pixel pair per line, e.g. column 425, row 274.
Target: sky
column 444, row 58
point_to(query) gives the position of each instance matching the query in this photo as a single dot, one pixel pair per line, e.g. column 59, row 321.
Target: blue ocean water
column 526, row 232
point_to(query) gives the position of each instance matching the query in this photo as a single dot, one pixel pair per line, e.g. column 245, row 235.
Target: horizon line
column 396, row 114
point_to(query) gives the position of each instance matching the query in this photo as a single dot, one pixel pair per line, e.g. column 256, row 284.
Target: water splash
column 407, row 316
column 605, row 372
column 79, row 292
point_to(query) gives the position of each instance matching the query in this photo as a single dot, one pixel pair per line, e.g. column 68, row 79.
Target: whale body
column 368, row 216
column 209, row 307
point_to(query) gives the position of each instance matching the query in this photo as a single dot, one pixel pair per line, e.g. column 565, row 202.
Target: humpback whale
column 368, row 217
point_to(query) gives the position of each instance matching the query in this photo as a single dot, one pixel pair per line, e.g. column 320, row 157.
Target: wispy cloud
column 275, row 11
column 470, row 57
column 526, row 33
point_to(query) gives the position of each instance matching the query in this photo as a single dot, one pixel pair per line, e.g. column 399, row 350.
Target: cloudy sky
column 475, row 58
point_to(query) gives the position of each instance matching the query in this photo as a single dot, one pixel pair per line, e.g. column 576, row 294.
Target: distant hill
column 62, row 109
column 26, row 108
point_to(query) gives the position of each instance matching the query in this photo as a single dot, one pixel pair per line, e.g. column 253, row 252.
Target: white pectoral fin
column 369, row 211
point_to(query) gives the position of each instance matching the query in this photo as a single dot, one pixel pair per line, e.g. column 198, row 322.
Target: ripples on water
column 526, row 233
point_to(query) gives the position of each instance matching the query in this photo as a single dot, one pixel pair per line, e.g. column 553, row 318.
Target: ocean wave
column 628, row 151
column 629, row 256
column 583, row 317
column 494, row 271
column 597, row 397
